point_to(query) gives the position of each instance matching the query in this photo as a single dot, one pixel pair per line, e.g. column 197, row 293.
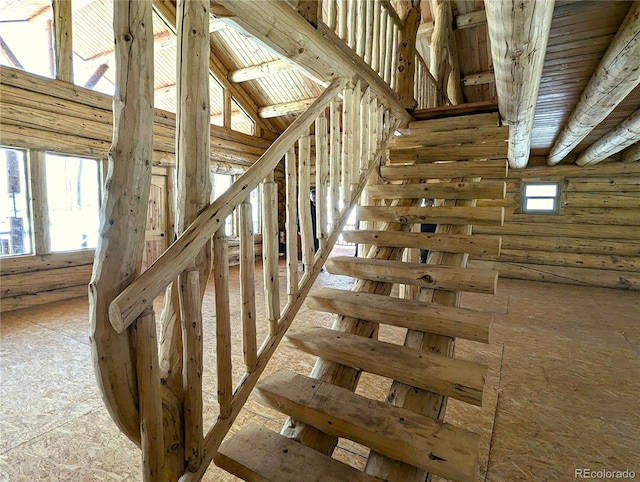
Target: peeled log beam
column 624, row 135
column 519, row 32
column 631, row 154
column 616, row 76
column 258, row 71
column 278, row 110
column 320, row 53
column 63, row 40
column 124, row 212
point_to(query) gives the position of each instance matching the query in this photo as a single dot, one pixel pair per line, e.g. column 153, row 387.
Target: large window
column 73, row 192
column 540, row 197
column 15, row 232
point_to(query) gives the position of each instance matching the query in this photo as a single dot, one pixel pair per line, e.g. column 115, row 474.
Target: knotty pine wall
column 594, row 240
column 49, row 115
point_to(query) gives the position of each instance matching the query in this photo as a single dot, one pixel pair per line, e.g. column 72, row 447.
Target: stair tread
column 395, row 432
column 446, row 170
column 439, row 190
column 436, row 215
column 459, row 379
column 450, row 243
column 414, row 315
column 258, row 454
column 451, row 278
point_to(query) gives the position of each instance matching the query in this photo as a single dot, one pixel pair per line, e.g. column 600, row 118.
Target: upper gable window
column 540, row 197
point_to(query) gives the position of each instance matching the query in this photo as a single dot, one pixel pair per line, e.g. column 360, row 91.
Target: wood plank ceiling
column 580, row 34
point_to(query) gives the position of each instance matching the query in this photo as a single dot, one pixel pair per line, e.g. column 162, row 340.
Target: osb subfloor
column 562, row 389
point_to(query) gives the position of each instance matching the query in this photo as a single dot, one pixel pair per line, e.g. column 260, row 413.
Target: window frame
column 525, row 198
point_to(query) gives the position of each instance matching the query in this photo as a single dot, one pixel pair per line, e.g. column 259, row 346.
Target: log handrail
column 139, row 295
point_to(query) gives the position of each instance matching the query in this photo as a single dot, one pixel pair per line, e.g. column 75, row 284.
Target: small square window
column 540, row 197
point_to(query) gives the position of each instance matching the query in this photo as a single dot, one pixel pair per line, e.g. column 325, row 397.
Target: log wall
column 49, row 115
column 594, row 240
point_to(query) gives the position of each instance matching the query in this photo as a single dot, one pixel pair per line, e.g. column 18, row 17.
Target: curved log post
column 124, row 211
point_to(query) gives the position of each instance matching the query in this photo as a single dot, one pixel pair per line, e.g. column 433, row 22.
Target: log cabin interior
column 159, row 155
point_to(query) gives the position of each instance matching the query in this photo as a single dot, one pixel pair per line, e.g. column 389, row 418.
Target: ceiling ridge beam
column 617, row 139
column 615, row 77
column 519, row 32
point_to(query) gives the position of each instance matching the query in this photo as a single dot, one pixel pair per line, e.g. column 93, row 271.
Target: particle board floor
column 562, row 388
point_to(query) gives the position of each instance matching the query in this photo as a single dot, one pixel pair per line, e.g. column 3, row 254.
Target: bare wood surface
column 440, row 190
column 624, row 135
column 399, row 433
column 610, row 84
column 414, row 315
column 486, row 169
column 291, row 224
column 223, row 324
column 519, row 35
column 434, row 215
column 148, row 373
column 39, row 202
column 450, row 243
column 460, row 379
column 319, row 52
column 247, row 286
column 119, row 253
column 139, row 294
column 270, row 239
column 191, row 318
column 449, row 278
column 631, row 154
column 63, row 40
column 257, row 453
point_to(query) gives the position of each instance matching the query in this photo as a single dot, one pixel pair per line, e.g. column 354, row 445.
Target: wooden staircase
column 406, row 432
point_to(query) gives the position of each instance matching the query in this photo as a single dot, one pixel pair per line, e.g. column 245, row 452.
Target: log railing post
column 270, row 237
column 291, row 224
column 405, row 65
column 247, row 285
column 148, row 373
column 191, row 315
column 118, row 256
column 223, row 322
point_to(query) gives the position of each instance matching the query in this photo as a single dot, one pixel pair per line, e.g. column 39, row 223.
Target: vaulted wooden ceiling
column 273, row 90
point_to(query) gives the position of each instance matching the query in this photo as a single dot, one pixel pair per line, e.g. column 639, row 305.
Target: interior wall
column 50, row 115
column 594, row 239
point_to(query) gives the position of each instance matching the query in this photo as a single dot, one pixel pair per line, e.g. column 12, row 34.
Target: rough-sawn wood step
column 413, row 315
column 451, row 278
column 460, row 379
column 257, row 454
column 395, row 432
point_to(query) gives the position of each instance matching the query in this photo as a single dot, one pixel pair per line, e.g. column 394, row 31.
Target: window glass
column 256, row 210
column 541, row 190
column 26, row 30
column 219, row 184
column 15, row 232
column 540, row 197
column 73, row 192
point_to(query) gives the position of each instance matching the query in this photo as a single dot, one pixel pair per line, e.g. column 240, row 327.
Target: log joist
column 614, row 78
column 519, row 32
column 622, row 136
